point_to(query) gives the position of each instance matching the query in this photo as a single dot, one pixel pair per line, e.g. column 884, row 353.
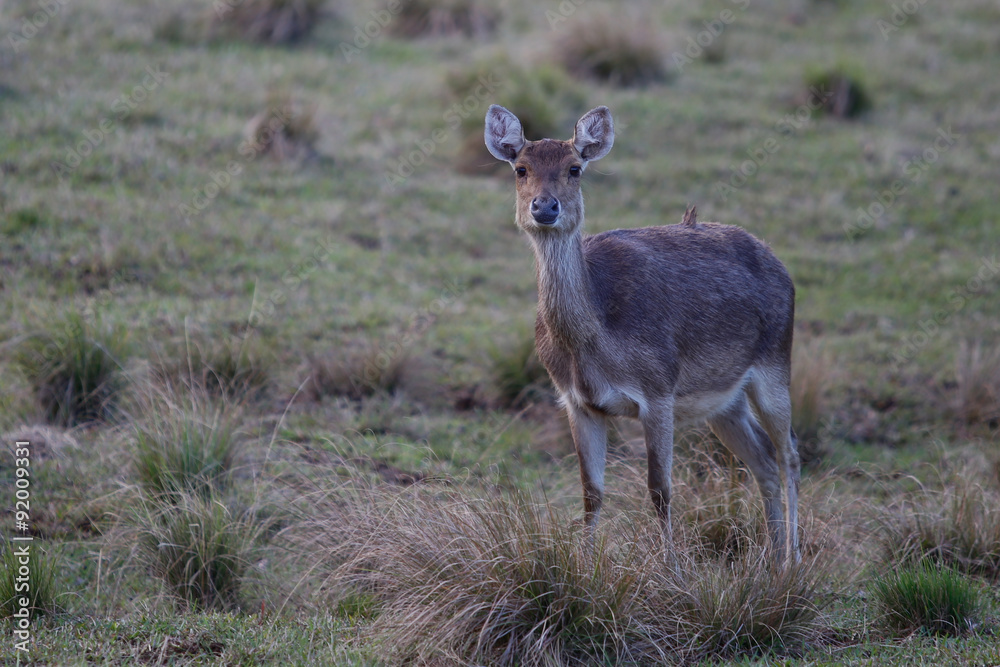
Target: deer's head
column 548, row 172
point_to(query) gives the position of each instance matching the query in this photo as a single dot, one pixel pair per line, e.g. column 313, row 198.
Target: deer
column 673, row 325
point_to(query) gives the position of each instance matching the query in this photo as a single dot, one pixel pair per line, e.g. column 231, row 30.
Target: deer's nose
column 545, row 210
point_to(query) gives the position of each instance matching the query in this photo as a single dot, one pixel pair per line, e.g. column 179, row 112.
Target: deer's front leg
column 590, row 436
column 658, row 424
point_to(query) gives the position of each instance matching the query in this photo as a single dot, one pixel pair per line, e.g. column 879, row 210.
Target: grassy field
column 266, row 322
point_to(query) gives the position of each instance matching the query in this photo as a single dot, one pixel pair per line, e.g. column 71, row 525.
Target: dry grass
column 358, row 372
column 285, row 129
column 520, row 376
column 977, row 373
column 460, row 578
column 615, row 50
column 267, row 21
column 812, row 370
column 439, row 18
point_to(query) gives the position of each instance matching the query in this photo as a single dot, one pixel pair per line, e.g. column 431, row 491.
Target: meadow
column 267, row 325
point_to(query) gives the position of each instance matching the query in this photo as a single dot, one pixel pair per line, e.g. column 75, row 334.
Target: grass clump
column 838, row 92
column 41, row 577
column 509, row 580
column 75, row 368
column 267, row 21
column 375, row 368
column 520, row 376
column 284, row 129
column 958, row 528
column 439, row 18
column 543, row 97
column 231, row 368
column 812, row 367
column 926, row 597
column 977, row 374
column 613, row 50
column 199, row 548
column 185, row 447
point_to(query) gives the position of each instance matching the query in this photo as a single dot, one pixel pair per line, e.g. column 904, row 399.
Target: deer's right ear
column 504, row 135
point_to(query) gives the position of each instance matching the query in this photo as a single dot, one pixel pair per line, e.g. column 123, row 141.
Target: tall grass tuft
column 199, row 548
column 615, row 50
column 926, row 597
column 359, row 372
column 267, row 21
column 185, row 444
column 958, row 528
column 76, row 369
column 811, row 370
column 977, row 374
column 520, row 376
column 438, row 18
column 43, row 586
column 509, row 580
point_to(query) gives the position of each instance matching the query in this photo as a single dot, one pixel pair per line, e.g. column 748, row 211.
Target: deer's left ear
column 595, row 134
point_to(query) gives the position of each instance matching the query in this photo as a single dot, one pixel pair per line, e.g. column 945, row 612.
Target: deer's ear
column 504, row 135
column 595, row 134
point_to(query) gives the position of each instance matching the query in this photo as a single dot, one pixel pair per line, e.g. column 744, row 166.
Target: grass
column 929, row 598
column 185, row 444
column 622, row 51
column 322, row 257
column 199, row 547
column 28, row 574
column 75, row 367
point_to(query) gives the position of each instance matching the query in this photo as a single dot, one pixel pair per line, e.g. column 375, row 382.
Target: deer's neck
column 565, row 302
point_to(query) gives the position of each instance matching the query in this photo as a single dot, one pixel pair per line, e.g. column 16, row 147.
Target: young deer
column 671, row 325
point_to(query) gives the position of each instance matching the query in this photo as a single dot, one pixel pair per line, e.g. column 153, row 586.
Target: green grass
column 927, row 597
column 303, row 262
column 28, row 575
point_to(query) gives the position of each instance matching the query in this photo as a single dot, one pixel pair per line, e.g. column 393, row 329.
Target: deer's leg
column 590, row 436
column 743, row 436
column 768, row 393
column 658, row 424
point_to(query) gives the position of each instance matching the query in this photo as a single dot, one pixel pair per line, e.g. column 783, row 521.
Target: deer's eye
column 520, row 171
column 574, row 171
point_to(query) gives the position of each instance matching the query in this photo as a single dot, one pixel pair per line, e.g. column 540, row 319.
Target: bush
column 41, row 577
column 926, row 597
column 75, row 368
column 621, row 52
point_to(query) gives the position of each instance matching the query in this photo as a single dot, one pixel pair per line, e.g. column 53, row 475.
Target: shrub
column 622, row 52
column 185, row 445
column 43, row 588
column 437, row 18
column 267, row 21
column 75, row 368
column 977, row 374
column 926, row 597
column 199, row 548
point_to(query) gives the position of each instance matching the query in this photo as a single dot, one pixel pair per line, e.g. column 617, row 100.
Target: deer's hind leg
column 768, row 393
column 739, row 431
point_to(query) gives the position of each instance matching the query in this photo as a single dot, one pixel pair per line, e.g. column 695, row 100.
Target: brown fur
column 671, row 325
